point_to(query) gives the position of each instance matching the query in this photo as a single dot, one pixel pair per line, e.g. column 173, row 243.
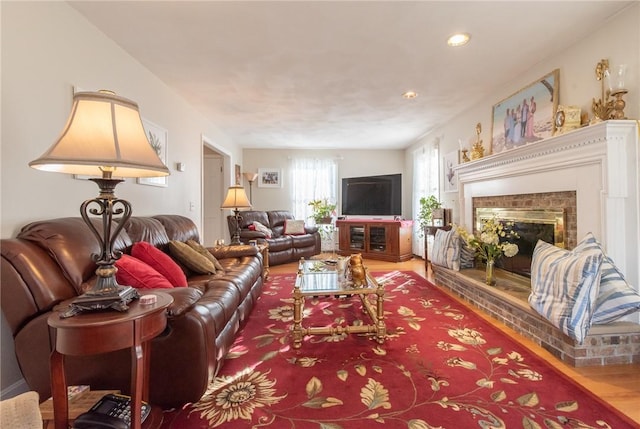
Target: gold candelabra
column 607, row 107
column 477, row 150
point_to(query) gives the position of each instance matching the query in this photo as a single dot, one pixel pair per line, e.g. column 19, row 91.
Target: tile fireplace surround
column 600, row 164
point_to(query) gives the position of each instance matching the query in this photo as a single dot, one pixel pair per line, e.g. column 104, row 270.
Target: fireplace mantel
column 598, row 162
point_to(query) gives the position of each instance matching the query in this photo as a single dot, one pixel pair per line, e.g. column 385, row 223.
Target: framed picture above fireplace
column 526, row 116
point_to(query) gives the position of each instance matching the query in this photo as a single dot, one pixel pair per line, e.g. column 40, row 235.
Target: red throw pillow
column 251, row 227
column 133, row 272
column 159, row 261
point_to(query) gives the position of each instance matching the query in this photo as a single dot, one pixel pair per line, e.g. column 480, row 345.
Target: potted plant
column 323, row 211
column 425, row 215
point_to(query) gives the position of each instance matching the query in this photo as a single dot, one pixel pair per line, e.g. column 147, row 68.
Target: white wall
column 47, row 49
column 618, row 40
column 351, row 163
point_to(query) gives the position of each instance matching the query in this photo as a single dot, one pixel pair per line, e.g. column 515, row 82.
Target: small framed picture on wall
column 238, row 175
column 269, row 178
column 450, row 161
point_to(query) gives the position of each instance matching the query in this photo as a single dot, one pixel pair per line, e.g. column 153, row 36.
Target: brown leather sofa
column 282, row 248
column 50, row 262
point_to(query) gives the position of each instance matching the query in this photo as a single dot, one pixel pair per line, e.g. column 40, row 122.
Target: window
column 425, row 182
column 312, row 179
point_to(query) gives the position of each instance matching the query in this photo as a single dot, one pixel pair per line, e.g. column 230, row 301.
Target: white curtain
column 312, row 179
column 426, row 181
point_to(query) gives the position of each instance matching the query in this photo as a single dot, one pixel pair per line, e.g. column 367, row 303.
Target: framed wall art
column 269, row 178
column 526, row 116
column 450, row 161
column 238, row 175
column 159, row 140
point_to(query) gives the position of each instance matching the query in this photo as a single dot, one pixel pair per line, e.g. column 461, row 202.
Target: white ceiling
column 330, row 74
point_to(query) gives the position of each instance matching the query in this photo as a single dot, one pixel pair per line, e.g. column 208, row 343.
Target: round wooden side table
column 92, row 333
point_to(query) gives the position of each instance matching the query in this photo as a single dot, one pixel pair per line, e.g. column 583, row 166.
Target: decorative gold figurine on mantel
column 464, row 152
column 477, row 150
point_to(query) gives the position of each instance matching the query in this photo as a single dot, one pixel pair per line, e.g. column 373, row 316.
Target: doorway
column 214, row 164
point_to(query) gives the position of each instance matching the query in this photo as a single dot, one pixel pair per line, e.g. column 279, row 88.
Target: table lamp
column 103, row 137
column 236, row 199
column 251, row 177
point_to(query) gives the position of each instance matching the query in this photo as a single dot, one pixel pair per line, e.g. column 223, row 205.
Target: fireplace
column 531, row 225
column 592, row 175
column 596, row 164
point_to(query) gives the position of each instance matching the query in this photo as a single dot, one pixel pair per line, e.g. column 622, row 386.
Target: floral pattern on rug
column 441, row 366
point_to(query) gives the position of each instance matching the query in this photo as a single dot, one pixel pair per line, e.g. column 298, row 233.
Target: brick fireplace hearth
column 616, row 343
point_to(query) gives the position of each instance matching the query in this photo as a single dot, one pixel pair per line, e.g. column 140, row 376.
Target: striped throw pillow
column 564, row 287
column 446, row 249
column 467, row 255
column 616, row 298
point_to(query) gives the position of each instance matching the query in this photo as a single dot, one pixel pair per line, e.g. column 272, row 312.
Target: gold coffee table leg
column 298, row 301
column 381, row 332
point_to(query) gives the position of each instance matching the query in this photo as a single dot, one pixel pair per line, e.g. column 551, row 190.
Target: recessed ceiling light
column 410, row 94
column 458, row 39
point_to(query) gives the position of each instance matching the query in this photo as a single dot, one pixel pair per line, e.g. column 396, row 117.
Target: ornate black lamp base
column 91, row 302
column 235, row 238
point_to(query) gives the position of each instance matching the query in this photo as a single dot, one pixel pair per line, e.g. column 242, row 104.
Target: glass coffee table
column 321, row 279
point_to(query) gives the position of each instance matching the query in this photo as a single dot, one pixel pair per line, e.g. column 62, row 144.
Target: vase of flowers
column 488, row 246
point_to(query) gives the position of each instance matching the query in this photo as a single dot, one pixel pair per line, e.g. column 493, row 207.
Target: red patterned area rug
column 441, row 366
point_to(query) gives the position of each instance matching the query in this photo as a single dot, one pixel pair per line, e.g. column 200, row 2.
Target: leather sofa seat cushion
column 279, row 244
column 70, row 242
column 227, row 298
column 303, row 240
column 282, row 257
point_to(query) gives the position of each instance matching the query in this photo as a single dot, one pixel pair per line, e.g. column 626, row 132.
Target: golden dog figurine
column 358, row 275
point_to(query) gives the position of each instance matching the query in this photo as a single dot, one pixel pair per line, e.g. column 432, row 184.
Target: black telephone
column 112, row 411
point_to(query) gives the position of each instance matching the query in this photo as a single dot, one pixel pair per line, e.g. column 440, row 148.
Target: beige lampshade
column 236, row 199
column 251, row 177
column 104, row 132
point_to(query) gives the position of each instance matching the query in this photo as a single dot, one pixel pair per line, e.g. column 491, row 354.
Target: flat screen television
column 372, row 195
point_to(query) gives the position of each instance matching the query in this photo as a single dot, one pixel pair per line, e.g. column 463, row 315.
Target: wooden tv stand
column 385, row 240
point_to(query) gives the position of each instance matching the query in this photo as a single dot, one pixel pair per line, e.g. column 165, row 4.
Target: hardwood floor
column 619, row 385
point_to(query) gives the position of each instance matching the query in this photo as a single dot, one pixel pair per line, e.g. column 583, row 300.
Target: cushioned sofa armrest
column 310, row 229
column 233, row 251
column 184, row 298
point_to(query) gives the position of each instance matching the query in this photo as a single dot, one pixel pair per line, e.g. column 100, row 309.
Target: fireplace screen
column 531, row 225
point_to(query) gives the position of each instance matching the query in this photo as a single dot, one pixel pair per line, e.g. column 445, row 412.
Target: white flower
column 510, row 249
column 489, row 238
